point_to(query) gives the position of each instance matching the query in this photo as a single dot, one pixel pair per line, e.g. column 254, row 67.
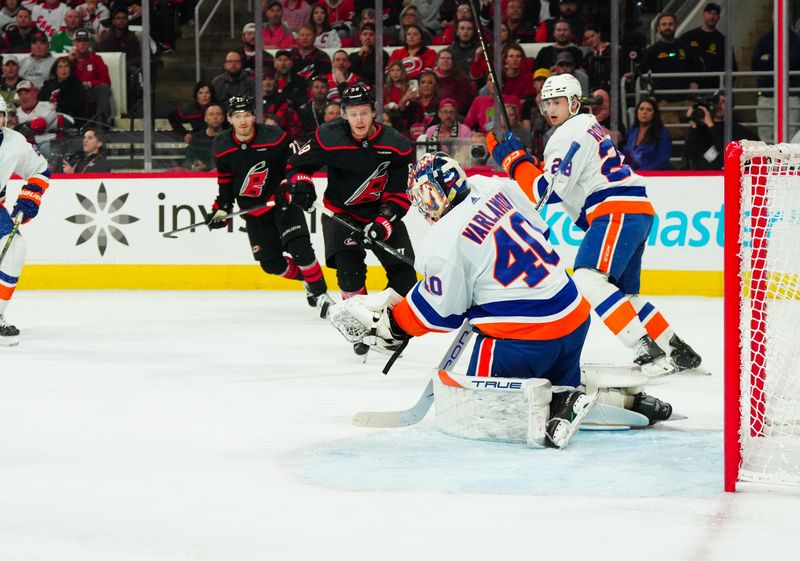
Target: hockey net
column 762, row 314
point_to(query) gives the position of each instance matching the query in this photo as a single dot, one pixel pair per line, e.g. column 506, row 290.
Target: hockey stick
column 356, row 230
column 417, row 412
column 11, row 236
column 573, row 148
column 498, row 94
column 172, row 235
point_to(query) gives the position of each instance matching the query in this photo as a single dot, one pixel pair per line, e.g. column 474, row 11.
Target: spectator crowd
column 437, row 86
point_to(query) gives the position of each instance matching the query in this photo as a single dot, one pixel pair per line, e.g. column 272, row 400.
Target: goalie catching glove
column 368, row 319
column 509, row 152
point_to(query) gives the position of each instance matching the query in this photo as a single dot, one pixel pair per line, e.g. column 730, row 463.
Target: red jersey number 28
column 254, row 182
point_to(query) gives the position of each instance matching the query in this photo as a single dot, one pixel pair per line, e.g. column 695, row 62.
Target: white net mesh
column 770, row 319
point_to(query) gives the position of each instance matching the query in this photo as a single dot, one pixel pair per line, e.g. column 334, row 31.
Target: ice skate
column 310, row 298
column 567, row 410
column 361, row 349
column 652, row 358
column 9, row 334
column 324, row 303
column 682, row 356
column 651, row 407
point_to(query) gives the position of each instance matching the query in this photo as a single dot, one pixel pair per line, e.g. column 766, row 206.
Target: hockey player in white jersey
column 20, row 157
column 607, row 200
column 487, row 259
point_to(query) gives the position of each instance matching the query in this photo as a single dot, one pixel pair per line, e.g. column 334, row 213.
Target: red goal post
column 762, row 314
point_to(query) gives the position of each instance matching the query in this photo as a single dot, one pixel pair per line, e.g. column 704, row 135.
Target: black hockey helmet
column 239, row 103
column 358, row 94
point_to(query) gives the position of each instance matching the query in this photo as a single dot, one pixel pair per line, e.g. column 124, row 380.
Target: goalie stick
column 573, row 148
column 498, row 91
column 417, row 412
column 11, row 236
column 172, row 235
column 356, row 230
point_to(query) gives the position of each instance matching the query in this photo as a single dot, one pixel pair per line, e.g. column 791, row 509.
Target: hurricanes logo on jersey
column 370, row 191
column 254, row 181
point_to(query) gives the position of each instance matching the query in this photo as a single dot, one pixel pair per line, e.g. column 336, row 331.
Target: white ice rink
column 215, row 426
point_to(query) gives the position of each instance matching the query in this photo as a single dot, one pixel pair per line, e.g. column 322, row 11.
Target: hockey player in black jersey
column 367, row 167
column 251, row 164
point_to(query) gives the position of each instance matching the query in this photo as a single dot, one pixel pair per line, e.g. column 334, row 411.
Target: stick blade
column 393, row 419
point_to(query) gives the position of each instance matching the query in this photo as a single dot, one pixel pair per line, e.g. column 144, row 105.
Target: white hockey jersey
column 489, row 260
column 18, row 156
column 597, row 182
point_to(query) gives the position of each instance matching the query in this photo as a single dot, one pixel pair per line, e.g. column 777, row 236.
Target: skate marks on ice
column 641, row 463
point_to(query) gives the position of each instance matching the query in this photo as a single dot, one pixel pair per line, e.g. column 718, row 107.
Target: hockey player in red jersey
column 367, row 168
column 19, row 157
column 251, row 163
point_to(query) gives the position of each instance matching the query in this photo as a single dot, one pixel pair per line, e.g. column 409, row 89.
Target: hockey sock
column 656, row 325
column 346, row 295
column 611, row 306
column 10, row 268
column 292, row 271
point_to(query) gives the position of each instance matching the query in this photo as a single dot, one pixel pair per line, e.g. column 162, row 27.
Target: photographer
column 705, row 142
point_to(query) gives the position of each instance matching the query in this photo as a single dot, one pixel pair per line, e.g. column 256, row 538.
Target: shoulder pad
column 392, row 137
column 223, row 141
column 335, row 133
column 269, row 134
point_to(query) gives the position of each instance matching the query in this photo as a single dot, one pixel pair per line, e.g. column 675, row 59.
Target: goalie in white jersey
column 487, row 259
column 607, row 200
column 20, row 157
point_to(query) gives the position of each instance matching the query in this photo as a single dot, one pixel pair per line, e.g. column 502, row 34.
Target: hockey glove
column 283, row 196
column 303, row 193
column 509, row 152
column 217, row 221
column 380, row 229
column 28, row 203
column 384, row 331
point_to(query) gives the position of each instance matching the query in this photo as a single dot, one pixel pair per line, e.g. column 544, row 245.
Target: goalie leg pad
column 505, row 409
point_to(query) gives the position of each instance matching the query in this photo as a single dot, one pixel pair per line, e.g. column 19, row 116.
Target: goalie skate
column 9, row 334
column 567, row 410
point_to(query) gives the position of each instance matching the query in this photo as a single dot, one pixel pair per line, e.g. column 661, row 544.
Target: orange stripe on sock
column 656, row 326
column 620, row 318
column 610, row 243
column 6, row 292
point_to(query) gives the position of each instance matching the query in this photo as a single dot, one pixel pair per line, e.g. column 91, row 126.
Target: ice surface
column 216, row 426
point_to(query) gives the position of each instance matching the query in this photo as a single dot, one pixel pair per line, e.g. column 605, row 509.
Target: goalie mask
column 436, row 184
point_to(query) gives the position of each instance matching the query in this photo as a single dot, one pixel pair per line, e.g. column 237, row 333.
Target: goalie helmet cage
column 762, row 314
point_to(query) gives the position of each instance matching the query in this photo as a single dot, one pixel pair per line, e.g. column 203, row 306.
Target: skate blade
column 563, row 440
column 658, row 368
column 699, row 371
column 9, row 341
